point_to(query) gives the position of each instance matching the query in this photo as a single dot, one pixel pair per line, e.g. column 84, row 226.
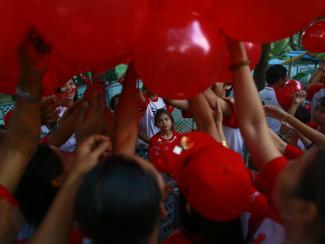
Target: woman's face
column 69, row 89
column 283, row 194
column 164, row 123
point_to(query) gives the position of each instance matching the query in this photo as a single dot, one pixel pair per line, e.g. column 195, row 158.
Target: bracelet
column 27, row 96
column 235, row 66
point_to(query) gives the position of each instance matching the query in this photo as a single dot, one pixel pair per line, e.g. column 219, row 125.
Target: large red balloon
column 179, row 54
column 266, row 21
column 86, row 31
column 253, row 52
column 323, row 13
column 313, row 39
column 13, row 27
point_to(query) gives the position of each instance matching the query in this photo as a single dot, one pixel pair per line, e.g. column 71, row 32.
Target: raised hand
column 89, row 153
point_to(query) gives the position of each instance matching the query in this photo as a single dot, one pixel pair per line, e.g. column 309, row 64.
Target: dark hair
column 303, row 114
column 118, row 202
column 35, row 192
column 274, row 73
column 58, row 90
column 311, row 188
column 227, row 232
column 112, row 102
column 162, row 111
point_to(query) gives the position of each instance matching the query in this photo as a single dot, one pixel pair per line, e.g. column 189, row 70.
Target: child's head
column 164, row 120
column 276, row 75
column 319, row 114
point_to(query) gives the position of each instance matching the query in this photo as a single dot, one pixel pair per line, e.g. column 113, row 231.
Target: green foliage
column 279, row 48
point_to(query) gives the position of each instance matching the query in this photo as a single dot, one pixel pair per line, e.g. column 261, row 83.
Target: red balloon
column 86, row 31
column 253, row 53
column 179, row 54
column 313, row 39
column 284, row 94
column 266, row 21
column 9, row 73
column 13, row 26
column 323, row 13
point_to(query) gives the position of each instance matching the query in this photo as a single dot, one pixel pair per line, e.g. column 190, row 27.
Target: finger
column 101, row 148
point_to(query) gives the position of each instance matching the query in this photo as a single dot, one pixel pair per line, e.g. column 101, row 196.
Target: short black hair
column 35, row 191
column 275, row 72
column 227, row 232
column 118, row 202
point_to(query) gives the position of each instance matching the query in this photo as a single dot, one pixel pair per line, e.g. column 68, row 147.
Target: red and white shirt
column 157, row 146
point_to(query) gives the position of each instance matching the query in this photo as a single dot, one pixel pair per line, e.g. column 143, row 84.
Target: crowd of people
column 69, row 172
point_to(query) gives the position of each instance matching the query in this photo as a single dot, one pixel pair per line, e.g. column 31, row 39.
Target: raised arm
column 313, row 135
column 180, row 104
column 57, row 225
column 250, row 114
column 126, row 124
column 23, row 131
column 204, row 119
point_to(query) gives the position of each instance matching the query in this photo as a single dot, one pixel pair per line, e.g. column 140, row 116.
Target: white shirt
column 314, row 102
column 147, row 122
column 234, row 139
column 268, row 96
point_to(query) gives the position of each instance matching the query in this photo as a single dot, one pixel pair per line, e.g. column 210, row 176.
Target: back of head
column 209, row 231
column 276, row 73
column 119, row 202
column 35, row 191
column 311, row 188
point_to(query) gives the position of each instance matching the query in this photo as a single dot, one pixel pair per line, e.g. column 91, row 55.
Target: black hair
column 274, row 73
column 311, row 188
column 112, row 102
column 119, row 202
column 210, row 232
column 303, row 114
column 35, row 192
column 162, row 111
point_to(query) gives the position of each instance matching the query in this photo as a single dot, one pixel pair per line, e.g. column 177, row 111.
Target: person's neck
column 166, row 134
column 153, row 97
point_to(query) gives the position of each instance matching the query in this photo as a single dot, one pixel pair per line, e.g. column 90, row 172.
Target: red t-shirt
column 157, row 146
column 265, row 222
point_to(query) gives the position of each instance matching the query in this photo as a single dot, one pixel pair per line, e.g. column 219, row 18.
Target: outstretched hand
column 34, row 55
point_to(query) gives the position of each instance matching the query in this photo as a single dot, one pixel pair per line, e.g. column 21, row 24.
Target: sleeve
column 265, row 179
column 4, row 193
column 292, row 152
column 231, row 121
